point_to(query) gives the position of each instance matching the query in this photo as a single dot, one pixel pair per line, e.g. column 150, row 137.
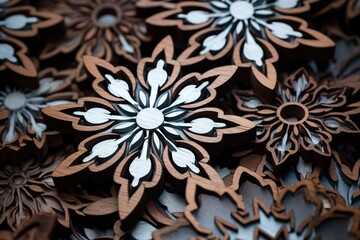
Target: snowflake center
column 292, row 113
column 15, row 101
column 242, row 10
column 18, row 180
column 106, row 15
column 150, row 118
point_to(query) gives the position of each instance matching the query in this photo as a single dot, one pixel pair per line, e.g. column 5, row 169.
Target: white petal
column 195, row 17
column 143, row 98
column 95, row 115
column 162, row 99
column 157, row 76
column 175, row 114
column 286, row 3
column 219, row 4
column 139, row 168
column 283, row 30
column 224, row 20
column 137, row 139
column 204, row 125
column 253, row 51
column 332, row 123
column 171, row 131
column 264, row 12
column 252, row 103
column 239, row 27
column 184, row 158
column 102, row 149
column 127, row 108
column 124, row 126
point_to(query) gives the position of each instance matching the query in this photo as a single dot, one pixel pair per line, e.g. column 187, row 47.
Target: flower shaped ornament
column 305, row 119
column 147, row 125
column 255, row 31
column 21, row 125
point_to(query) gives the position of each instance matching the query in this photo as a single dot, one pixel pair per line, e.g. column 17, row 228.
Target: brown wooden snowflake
column 305, row 118
column 254, row 33
column 147, row 128
column 27, row 190
column 104, row 28
column 23, row 23
column 253, row 208
column 22, row 130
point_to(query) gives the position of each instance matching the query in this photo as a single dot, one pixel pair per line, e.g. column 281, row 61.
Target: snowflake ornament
column 23, row 23
column 108, row 29
column 254, row 32
column 22, row 130
column 147, row 128
column 304, row 120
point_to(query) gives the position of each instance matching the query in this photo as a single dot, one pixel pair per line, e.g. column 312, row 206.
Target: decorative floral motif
column 22, row 128
column 250, row 29
column 21, row 22
column 104, row 28
column 27, row 190
column 147, row 125
column 303, row 121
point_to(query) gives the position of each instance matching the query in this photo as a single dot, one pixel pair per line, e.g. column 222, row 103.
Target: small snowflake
column 107, row 29
column 303, row 121
column 20, row 111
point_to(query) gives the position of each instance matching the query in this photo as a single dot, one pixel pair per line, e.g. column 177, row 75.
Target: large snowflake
column 254, row 31
column 148, row 125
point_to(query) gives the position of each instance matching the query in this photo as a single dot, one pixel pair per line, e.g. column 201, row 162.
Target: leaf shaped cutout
column 235, row 131
column 206, row 47
column 103, row 207
column 162, row 54
column 115, row 84
column 73, row 170
column 309, row 45
column 132, row 200
column 196, row 157
column 263, row 79
column 17, row 63
column 68, row 117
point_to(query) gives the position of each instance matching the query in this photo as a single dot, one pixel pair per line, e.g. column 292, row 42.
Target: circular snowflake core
column 18, row 180
column 107, row 16
column 292, row 113
column 242, row 10
column 150, row 118
column 15, row 101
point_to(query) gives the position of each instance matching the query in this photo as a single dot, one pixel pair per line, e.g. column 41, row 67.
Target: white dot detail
column 15, row 101
column 150, row 118
column 242, row 10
